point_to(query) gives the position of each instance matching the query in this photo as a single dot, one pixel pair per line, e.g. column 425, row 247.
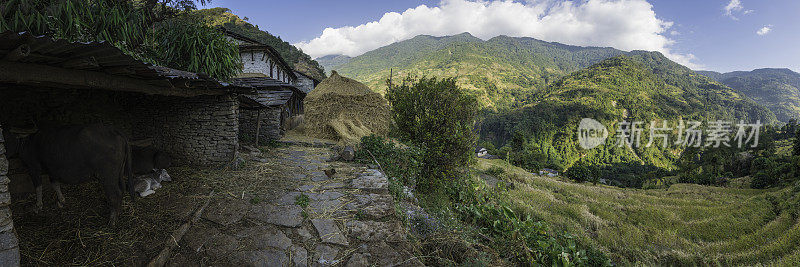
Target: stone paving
column 345, row 219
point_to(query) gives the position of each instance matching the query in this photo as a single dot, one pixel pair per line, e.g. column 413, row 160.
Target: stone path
column 347, row 219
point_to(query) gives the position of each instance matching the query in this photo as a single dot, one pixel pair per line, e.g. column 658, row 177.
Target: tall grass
column 684, row 224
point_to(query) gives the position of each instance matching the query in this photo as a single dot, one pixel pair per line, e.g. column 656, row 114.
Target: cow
column 147, row 160
column 74, row 155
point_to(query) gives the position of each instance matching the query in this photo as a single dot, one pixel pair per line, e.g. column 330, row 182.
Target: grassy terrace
column 684, row 224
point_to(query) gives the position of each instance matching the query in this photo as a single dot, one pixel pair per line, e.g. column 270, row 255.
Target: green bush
column 581, row 173
column 403, row 164
column 437, row 116
column 763, row 180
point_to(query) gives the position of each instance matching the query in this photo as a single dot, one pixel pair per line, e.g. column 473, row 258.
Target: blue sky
column 701, row 34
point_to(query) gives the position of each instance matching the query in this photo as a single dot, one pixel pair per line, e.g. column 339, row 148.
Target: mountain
column 502, row 72
column 332, row 62
column 641, row 86
column 222, row 17
column 776, row 89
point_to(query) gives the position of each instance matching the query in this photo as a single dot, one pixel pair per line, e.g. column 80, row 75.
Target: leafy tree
column 437, row 116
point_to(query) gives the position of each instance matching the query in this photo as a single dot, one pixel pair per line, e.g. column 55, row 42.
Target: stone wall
column 9, row 247
column 270, row 124
column 195, row 131
column 304, row 83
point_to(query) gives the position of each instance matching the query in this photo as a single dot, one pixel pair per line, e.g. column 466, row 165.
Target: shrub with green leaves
column 437, row 116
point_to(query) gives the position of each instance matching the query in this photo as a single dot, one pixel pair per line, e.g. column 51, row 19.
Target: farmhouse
column 267, row 114
column 48, row 83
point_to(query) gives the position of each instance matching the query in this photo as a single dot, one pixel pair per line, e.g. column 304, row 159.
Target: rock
column 265, row 258
column 288, row 198
column 358, row 260
column 327, row 195
column 8, row 240
column 276, row 239
column 375, row 206
column 370, row 182
column 226, row 211
column 348, row 153
column 304, row 233
column 325, row 255
column 333, row 186
column 326, row 206
column 329, row 232
column 374, row 231
column 318, row 176
column 305, row 188
column 289, row 216
column 299, row 255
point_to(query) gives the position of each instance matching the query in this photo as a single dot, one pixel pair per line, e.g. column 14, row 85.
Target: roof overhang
column 43, row 61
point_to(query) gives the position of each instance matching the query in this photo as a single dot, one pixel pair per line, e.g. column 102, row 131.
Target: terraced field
column 684, row 224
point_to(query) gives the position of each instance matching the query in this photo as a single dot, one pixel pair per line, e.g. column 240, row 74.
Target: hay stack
column 345, row 110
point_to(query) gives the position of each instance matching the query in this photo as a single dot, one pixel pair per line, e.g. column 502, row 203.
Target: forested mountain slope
column 776, row 89
column 503, row 71
column 642, row 86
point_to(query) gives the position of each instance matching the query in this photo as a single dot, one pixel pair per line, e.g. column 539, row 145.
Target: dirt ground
column 276, row 208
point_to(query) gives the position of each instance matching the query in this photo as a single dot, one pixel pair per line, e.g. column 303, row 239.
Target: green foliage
column 302, row 200
column 154, row 36
column 776, row 89
column 501, row 72
column 202, row 49
column 642, row 86
column 402, row 164
column 438, row 117
column 581, row 173
column 517, row 234
column 222, row 17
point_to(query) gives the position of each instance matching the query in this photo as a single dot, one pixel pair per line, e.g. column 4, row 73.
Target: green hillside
column 503, row 71
column 222, row 17
column 682, row 225
column 643, row 86
column 332, row 62
column 776, row 89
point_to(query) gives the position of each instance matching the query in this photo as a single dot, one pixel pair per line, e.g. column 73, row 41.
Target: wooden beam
column 18, row 53
column 36, row 74
column 258, row 126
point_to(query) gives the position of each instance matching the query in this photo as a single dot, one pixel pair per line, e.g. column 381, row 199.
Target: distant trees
column 437, row 116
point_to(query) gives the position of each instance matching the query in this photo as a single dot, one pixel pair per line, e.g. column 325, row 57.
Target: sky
column 719, row 35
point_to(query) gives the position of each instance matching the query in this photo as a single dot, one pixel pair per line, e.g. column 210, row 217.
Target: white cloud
column 674, row 33
column 734, row 7
column 623, row 24
column 764, row 30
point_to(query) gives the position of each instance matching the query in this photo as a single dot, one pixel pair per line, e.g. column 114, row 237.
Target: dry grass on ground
column 685, row 224
column 79, row 234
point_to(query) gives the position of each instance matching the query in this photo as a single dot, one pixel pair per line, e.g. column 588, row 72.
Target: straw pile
column 345, row 110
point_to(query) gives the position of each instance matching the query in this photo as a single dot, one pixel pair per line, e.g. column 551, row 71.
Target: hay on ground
column 345, row 110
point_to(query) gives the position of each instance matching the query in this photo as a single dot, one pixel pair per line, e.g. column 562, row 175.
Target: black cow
column 147, row 160
column 75, row 155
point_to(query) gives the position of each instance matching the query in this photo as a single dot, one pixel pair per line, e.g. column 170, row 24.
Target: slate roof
column 105, row 58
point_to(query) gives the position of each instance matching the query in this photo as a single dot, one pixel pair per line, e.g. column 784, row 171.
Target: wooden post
column 258, row 126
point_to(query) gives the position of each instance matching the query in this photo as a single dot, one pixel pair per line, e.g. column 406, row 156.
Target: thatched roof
column 340, row 86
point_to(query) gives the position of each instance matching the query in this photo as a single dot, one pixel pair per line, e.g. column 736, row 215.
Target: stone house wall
column 270, row 124
column 9, row 244
column 304, row 83
column 199, row 130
